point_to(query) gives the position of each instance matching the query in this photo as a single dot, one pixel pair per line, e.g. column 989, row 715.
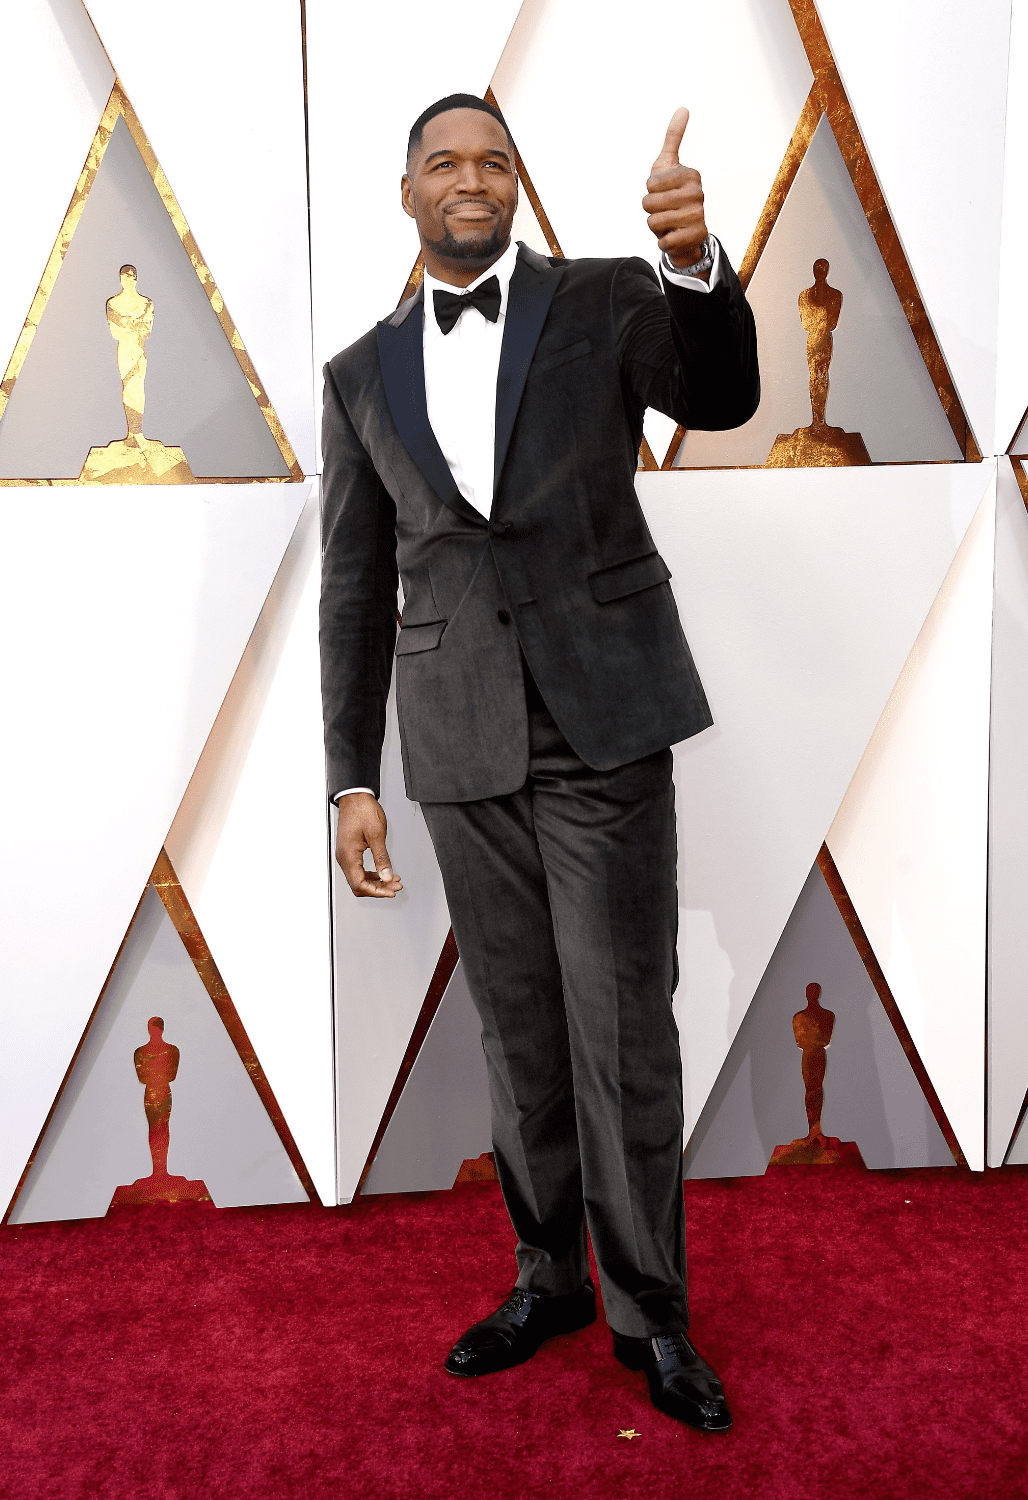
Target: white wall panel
column 219, row 91
column 55, row 83
column 129, row 610
column 928, row 87
column 362, row 244
column 1012, row 362
column 249, row 845
column 802, row 593
column 1008, row 821
column 911, row 838
column 588, row 97
column 385, row 955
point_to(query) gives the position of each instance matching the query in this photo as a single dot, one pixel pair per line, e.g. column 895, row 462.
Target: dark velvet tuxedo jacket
column 564, row 571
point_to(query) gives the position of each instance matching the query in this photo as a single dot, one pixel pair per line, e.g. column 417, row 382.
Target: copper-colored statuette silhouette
column 813, row 1029
column 818, row 446
column 156, row 1066
column 133, row 459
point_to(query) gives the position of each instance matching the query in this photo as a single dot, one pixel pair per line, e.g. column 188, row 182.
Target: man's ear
column 407, row 195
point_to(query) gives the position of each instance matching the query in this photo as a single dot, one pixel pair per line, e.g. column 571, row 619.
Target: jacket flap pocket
column 561, row 356
column 629, row 577
column 414, row 638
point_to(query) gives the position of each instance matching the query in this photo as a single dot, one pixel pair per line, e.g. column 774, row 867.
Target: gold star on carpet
column 629, row 1433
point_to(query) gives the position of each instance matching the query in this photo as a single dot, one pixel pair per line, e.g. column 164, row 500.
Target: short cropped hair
column 440, row 107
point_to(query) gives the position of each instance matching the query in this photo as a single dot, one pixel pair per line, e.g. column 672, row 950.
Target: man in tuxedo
column 483, row 442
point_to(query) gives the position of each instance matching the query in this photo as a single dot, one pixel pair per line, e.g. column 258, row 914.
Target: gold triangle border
column 166, row 883
column 119, row 106
column 828, row 98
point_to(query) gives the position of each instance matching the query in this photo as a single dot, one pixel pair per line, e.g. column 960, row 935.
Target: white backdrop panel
column 911, row 837
column 1012, row 361
column 927, row 83
column 249, row 845
column 588, row 98
column 385, row 956
column 802, row 593
column 129, row 610
column 55, row 83
column 358, row 144
column 1008, row 821
column 219, row 92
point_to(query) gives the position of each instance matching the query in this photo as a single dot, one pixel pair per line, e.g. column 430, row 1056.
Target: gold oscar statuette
column 812, row 1028
column 818, row 446
column 156, row 1066
column 133, row 459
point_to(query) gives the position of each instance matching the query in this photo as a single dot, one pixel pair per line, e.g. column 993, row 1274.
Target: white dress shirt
column 460, row 381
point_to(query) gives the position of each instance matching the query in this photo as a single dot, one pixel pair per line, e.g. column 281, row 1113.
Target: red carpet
column 870, row 1346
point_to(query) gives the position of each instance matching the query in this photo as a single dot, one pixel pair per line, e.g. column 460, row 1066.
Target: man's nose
column 471, row 179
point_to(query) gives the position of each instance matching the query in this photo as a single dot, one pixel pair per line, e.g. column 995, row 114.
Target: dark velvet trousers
column 563, row 898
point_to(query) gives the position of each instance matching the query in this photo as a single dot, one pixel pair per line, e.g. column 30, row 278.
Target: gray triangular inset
column 442, row 1117
column 871, row 1095
column 67, row 395
column 96, row 1138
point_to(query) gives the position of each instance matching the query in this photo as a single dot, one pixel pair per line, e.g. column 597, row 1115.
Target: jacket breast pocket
column 557, row 357
column 629, row 577
column 414, row 638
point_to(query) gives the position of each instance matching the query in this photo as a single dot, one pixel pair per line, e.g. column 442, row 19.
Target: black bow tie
column 450, row 305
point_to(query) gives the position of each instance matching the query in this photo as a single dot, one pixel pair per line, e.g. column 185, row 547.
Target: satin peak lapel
column 402, row 360
column 531, row 291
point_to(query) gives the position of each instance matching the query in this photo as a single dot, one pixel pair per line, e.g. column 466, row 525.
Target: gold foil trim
column 119, row 105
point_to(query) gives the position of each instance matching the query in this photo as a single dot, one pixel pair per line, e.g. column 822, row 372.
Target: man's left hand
column 674, row 200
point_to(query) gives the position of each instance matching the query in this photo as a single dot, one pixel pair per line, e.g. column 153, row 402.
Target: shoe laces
column 518, row 1302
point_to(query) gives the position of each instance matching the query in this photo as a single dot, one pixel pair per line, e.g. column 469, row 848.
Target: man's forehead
column 464, row 129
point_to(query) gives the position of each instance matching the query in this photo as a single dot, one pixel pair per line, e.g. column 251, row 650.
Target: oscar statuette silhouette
column 812, row 1028
column 818, row 446
column 156, row 1066
column 133, row 459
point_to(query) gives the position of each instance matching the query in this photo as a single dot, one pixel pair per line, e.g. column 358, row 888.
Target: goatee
column 474, row 249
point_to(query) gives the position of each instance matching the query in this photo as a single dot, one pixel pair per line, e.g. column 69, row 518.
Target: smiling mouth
column 473, row 211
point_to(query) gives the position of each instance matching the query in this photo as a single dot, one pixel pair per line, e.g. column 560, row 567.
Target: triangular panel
column 128, row 333
column 442, row 1116
column 911, row 837
column 802, row 595
column 131, row 615
column 228, row 1141
column 871, row 1095
column 1008, row 820
column 930, row 88
column 800, row 290
column 878, row 385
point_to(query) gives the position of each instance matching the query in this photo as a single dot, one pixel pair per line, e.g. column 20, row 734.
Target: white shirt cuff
column 347, row 790
column 694, row 283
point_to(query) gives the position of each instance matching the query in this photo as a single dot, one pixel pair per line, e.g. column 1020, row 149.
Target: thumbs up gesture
column 674, row 199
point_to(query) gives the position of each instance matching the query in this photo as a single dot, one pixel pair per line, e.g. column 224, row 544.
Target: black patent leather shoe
column 515, row 1330
column 682, row 1384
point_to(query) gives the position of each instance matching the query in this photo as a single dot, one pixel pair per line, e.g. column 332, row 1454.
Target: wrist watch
column 697, row 268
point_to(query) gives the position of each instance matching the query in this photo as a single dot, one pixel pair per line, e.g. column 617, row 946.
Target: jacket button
column 503, row 617
column 500, row 528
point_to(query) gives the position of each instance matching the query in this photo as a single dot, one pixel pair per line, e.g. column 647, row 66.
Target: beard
column 474, row 248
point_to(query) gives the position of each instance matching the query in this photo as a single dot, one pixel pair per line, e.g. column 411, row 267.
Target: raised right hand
column 362, row 825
